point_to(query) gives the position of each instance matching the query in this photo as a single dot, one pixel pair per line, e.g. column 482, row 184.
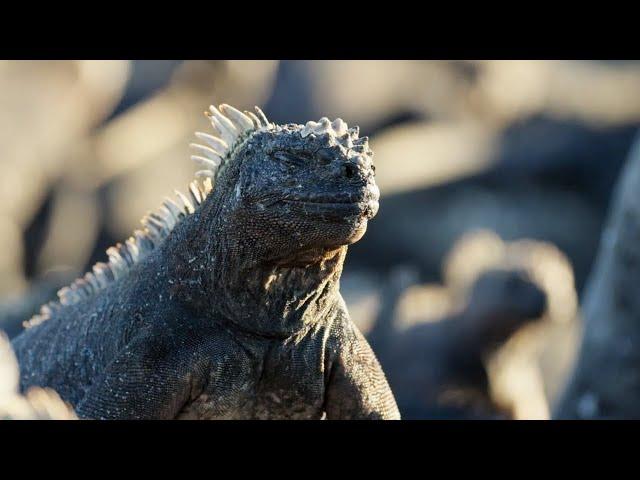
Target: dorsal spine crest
column 232, row 129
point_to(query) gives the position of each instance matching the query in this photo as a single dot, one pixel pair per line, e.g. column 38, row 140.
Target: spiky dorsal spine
column 231, row 128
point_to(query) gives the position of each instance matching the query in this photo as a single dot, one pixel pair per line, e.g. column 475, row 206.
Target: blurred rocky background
column 484, row 167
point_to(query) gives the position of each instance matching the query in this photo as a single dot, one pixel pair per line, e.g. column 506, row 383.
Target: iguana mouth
column 367, row 194
column 328, row 201
column 334, row 208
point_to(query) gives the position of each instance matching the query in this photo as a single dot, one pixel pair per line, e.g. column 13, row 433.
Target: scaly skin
column 36, row 404
column 237, row 314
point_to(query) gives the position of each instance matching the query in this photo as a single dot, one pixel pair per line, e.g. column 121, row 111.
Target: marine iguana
column 437, row 369
column 227, row 305
column 606, row 379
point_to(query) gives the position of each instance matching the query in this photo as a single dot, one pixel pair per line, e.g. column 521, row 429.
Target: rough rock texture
column 231, row 309
column 606, row 380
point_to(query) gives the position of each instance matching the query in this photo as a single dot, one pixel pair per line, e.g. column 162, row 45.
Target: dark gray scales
column 227, row 305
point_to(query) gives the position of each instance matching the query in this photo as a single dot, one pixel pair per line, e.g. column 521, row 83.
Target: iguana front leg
column 357, row 387
column 152, row 378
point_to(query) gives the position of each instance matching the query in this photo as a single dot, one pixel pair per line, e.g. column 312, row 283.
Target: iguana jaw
column 340, row 206
column 332, row 212
column 347, row 215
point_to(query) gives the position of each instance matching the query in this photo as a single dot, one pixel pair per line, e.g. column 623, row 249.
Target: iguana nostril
column 350, row 170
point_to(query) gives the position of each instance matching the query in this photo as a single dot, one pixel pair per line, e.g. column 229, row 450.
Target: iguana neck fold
column 218, row 272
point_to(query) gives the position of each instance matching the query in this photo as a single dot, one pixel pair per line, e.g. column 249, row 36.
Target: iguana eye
column 289, row 158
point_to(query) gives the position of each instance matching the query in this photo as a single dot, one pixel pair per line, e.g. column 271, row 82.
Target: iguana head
column 294, row 191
